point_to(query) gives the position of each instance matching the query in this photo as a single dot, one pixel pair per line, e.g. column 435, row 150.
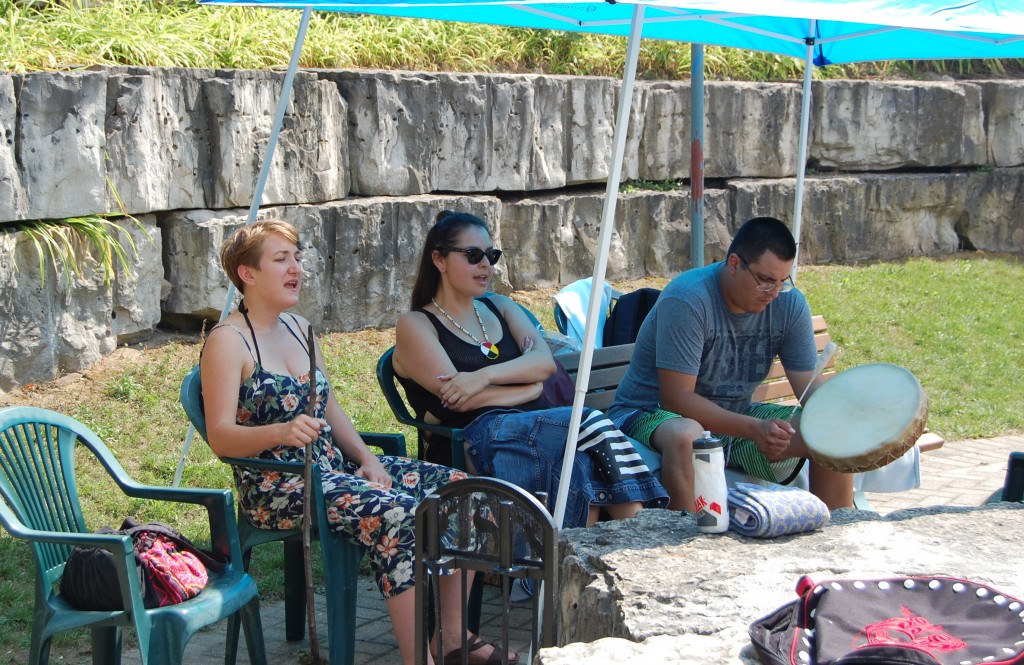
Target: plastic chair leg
column 106, row 645
column 250, row 618
column 231, row 645
column 294, row 591
column 341, row 583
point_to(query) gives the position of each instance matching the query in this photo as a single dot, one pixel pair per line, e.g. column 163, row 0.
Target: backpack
column 628, row 315
column 171, row 569
column 927, row 620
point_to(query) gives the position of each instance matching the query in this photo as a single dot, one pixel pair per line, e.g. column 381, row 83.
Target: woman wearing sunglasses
column 477, row 363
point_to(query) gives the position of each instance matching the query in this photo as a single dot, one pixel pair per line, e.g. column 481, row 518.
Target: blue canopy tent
column 821, row 32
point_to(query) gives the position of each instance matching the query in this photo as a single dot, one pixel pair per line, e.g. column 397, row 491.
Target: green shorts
column 739, row 453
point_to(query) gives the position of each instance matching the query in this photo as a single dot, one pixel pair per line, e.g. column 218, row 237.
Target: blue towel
column 767, row 512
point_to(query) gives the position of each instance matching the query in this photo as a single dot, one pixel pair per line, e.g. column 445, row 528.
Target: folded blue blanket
column 767, row 512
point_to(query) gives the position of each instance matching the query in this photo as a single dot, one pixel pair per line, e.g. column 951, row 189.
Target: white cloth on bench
column 571, row 305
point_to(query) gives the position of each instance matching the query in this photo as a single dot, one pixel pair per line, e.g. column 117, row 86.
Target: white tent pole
column 261, row 183
column 601, row 260
column 801, row 155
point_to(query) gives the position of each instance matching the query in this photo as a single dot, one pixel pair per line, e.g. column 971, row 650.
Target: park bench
column 609, row 366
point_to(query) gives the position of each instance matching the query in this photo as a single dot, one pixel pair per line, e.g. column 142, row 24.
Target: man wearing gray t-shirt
column 709, row 341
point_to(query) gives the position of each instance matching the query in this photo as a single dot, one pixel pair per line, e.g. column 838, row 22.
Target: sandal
column 454, row 657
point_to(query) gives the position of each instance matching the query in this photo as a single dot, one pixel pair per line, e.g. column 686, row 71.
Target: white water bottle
column 709, row 489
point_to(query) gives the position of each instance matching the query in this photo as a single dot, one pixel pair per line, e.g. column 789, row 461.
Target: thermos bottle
column 709, row 488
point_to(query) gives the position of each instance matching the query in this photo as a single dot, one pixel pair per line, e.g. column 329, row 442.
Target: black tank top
column 466, row 357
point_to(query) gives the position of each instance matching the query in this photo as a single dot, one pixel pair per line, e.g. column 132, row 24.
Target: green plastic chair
column 41, row 505
column 341, row 557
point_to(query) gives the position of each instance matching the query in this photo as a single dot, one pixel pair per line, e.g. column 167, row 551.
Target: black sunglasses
column 475, row 255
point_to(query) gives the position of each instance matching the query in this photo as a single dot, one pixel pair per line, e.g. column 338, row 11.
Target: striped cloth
column 611, row 451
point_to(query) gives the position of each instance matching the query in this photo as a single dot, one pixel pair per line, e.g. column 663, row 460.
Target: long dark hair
column 441, row 237
column 763, row 234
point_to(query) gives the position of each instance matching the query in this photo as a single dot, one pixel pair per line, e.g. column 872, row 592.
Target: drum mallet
column 823, row 359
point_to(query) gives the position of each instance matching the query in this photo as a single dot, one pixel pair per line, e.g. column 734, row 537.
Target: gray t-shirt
column 690, row 330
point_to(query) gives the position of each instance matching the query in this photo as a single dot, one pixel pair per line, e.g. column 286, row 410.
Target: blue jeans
column 526, row 449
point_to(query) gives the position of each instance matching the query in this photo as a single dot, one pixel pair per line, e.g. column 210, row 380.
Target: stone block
column 157, row 139
column 415, row 133
column 1004, row 124
column 135, row 305
column 659, row 136
column 309, row 163
column 753, row 130
column 991, row 219
column 585, row 127
column 13, row 199
column 848, row 219
column 60, row 143
column 871, row 125
column 554, row 238
column 656, row 575
column 58, row 320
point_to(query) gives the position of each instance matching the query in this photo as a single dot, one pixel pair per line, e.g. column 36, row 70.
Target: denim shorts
column 527, row 448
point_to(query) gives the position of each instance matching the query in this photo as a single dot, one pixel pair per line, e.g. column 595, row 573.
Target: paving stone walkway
column 963, row 473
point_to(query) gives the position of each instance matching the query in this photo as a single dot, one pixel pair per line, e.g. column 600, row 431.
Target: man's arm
column 799, row 380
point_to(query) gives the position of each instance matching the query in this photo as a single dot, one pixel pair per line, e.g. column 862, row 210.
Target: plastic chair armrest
column 391, row 444
column 219, row 504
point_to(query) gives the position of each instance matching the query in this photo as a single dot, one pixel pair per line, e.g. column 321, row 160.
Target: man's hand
column 773, row 437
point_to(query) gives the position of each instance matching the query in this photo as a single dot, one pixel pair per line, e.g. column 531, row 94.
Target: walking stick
column 307, row 513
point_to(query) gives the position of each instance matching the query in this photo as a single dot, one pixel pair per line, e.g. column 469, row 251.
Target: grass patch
column 177, row 33
column 954, row 322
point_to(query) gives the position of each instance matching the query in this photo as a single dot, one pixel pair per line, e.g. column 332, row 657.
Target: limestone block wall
column 366, row 159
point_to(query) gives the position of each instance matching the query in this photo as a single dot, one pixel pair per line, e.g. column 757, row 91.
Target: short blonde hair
column 245, row 246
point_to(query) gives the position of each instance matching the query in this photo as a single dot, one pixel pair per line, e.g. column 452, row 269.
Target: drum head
column 864, row 417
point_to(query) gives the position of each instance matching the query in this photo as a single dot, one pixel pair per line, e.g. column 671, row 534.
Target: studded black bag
column 900, row 620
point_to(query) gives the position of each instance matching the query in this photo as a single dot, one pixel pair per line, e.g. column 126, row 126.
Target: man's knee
column 674, row 438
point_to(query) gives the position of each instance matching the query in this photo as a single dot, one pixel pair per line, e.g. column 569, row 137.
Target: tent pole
column 601, row 260
column 801, row 155
column 696, row 155
column 261, row 183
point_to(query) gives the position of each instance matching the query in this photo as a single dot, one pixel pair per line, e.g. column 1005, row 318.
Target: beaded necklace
column 489, row 350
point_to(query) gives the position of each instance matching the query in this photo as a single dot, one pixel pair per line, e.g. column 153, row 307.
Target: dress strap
column 245, row 314
column 302, row 342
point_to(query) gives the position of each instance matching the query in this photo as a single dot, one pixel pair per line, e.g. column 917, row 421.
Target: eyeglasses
column 766, row 285
column 475, row 255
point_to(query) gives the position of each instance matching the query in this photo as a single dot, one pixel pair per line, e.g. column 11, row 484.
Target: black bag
column 165, row 562
column 899, row 620
column 628, row 315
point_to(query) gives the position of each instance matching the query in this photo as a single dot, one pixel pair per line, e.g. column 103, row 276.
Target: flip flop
column 454, row 657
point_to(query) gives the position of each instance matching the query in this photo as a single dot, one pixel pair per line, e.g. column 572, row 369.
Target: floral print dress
column 378, row 518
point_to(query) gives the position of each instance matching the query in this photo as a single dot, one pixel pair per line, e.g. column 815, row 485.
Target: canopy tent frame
column 724, row 22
